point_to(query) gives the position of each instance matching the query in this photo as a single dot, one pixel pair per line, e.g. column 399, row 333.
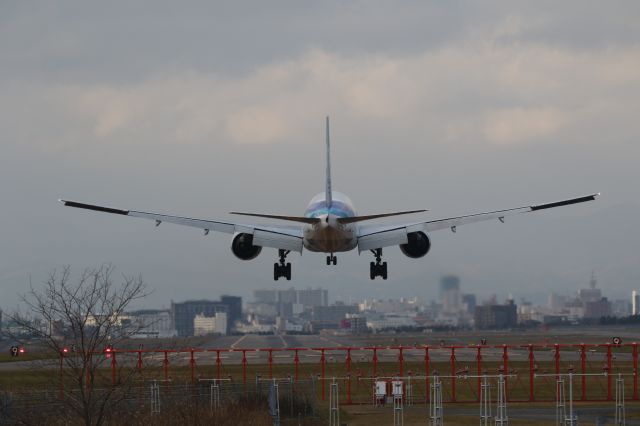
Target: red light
column 22, row 351
column 65, row 350
column 108, row 350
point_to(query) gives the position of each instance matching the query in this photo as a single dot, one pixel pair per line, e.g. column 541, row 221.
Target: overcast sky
column 201, row 108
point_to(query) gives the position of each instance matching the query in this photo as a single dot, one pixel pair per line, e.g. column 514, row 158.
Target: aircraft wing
column 274, row 236
column 377, row 236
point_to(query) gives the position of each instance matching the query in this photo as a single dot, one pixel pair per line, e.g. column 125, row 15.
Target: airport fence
column 529, row 369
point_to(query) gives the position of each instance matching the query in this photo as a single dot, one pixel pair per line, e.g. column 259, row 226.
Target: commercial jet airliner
column 330, row 225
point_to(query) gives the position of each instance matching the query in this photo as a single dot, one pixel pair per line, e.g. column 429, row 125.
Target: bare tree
column 78, row 320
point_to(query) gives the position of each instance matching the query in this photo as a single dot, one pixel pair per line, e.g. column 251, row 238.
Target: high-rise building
column 496, row 316
column 635, row 303
column 450, row 294
column 469, row 303
column 265, row 296
column 591, row 294
column 597, row 309
column 234, row 313
column 184, row 313
column 313, row 297
column 288, row 296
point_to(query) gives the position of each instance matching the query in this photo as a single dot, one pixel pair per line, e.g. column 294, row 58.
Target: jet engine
column 418, row 245
column 243, row 248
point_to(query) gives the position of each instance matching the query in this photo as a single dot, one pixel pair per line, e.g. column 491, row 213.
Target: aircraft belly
column 329, row 240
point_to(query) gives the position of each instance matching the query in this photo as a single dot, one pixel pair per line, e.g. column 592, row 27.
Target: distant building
column 311, row 297
column 450, row 294
column 203, row 325
column 469, row 303
column 185, row 312
column 556, row 302
column 591, row 294
column 265, row 296
column 635, row 303
column 153, row 323
column 496, row 316
column 330, row 317
column 597, row 309
column 234, row 305
column 355, row 323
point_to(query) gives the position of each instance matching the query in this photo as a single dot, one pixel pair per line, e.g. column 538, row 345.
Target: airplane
column 330, row 225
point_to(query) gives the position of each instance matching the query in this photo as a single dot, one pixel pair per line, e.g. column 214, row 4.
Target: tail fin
column 328, row 199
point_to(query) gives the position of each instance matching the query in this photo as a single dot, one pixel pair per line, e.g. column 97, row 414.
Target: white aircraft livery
column 330, row 225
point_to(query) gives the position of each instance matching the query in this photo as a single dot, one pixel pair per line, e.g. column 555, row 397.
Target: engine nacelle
column 418, row 245
column 243, row 248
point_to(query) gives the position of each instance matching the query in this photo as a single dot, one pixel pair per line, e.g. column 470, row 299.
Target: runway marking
column 233, row 346
column 284, row 343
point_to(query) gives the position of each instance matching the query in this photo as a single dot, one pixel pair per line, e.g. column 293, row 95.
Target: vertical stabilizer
column 328, row 199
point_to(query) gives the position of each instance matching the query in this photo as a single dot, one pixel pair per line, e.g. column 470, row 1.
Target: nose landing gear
column 378, row 268
column 281, row 269
column 332, row 259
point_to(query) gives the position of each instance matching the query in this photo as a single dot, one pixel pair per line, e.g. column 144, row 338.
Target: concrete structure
column 234, row 305
column 450, row 294
column 597, row 309
column 496, row 316
column 591, row 294
column 153, row 323
column 184, row 313
column 203, row 325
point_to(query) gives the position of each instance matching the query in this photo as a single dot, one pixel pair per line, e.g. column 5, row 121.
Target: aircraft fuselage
column 329, row 236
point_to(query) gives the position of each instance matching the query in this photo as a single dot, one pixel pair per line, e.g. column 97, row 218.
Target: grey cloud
column 211, row 107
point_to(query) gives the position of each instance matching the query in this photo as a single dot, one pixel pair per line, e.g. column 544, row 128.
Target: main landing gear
column 281, row 269
column 332, row 259
column 379, row 268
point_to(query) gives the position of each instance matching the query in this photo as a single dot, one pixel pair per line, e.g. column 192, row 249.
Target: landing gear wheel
column 282, row 269
column 378, row 268
column 332, row 259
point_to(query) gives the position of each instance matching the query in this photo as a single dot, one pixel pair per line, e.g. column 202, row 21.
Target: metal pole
column 349, row 375
column 479, row 370
column 505, row 363
column 609, row 372
column 583, row 370
column 426, row 373
column 620, row 419
column 322, row 368
column 165, row 365
column 192, row 365
column 375, row 362
column 453, row 374
column 270, row 361
column 297, row 361
column 485, row 401
column 635, row 371
column 218, row 361
column 244, row 367
column 572, row 419
column 557, row 356
column 401, row 361
column 532, row 394
column 334, row 407
column 560, row 402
